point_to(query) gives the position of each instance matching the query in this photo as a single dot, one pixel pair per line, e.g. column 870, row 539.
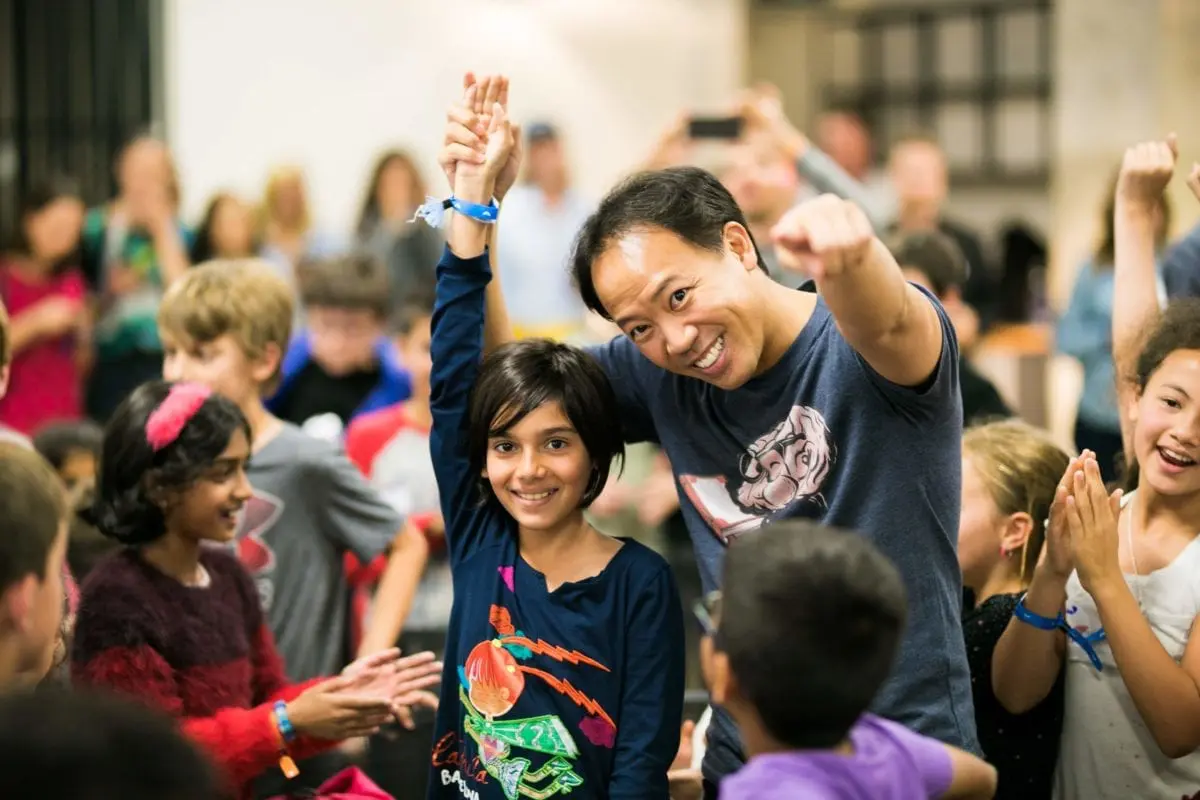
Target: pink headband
column 168, row 420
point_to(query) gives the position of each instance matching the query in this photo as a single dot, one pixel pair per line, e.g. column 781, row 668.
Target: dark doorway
column 76, row 80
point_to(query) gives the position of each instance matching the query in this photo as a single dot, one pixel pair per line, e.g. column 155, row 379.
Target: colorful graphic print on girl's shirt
column 576, row 692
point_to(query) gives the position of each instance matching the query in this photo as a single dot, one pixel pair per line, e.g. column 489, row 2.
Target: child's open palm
column 1092, row 515
column 400, row 681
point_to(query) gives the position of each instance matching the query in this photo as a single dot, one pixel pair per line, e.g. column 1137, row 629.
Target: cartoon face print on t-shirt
column 785, row 466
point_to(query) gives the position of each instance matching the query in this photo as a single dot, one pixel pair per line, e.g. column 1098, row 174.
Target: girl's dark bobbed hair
column 520, row 377
column 133, row 476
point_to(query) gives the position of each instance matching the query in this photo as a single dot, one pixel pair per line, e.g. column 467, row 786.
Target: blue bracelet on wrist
column 486, row 214
column 1086, row 641
column 433, row 211
column 283, row 722
column 1037, row 620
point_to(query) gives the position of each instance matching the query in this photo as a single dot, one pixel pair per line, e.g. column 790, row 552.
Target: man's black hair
column 520, row 377
column 57, row 744
column 811, row 618
column 131, row 472
column 686, row 201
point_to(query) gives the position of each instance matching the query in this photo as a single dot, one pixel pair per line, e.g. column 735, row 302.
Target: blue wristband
column 1037, row 620
column 283, row 722
column 486, row 214
column 1086, row 641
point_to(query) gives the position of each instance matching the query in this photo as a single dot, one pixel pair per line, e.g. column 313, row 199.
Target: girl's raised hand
column 464, row 139
column 1145, row 172
column 1092, row 515
column 502, row 147
column 1056, row 555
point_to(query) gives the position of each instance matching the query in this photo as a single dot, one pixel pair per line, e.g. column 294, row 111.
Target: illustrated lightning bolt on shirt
column 575, row 693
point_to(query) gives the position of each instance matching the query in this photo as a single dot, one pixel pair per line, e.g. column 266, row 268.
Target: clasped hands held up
column 1082, row 533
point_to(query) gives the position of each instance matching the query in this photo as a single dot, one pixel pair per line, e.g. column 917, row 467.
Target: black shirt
column 1023, row 749
column 314, row 392
column 980, row 399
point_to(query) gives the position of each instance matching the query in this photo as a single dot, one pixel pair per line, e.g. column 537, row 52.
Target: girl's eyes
column 1171, row 402
column 508, row 447
column 677, row 297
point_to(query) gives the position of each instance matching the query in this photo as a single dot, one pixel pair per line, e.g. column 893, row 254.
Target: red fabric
column 44, row 381
column 224, row 673
column 349, row 784
column 241, row 738
column 365, row 438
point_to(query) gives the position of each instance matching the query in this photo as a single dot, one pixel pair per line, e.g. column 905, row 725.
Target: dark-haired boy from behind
column 935, row 262
column 33, row 517
column 342, row 364
column 226, row 324
column 801, row 700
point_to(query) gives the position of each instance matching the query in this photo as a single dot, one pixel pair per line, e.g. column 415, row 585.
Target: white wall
column 327, row 84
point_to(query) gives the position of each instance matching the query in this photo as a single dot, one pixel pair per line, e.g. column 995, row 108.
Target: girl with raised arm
column 564, row 660
column 1118, row 593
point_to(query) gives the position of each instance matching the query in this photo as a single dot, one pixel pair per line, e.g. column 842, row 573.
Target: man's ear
column 739, row 242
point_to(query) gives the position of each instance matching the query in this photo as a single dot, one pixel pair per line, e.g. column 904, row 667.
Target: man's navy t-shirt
column 822, row 435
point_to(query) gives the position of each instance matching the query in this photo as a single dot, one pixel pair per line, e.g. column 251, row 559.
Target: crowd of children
column 287, row 539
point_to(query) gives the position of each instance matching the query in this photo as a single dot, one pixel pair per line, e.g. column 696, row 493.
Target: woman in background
column 43, row 289
column 226, row 230
column 287, row 231
column 410, row 252
column 133, row 247
column 1085, row 333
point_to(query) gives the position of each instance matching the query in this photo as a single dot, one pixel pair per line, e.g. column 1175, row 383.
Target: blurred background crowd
column 138, row 137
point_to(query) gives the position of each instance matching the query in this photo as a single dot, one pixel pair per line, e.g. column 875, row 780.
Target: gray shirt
column 310, row 506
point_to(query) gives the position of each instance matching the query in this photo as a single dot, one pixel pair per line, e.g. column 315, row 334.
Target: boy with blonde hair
column 227, row 324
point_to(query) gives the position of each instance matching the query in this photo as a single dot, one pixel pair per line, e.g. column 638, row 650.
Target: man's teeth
column 534, row 495
column 710, row 358
column 1176, row 458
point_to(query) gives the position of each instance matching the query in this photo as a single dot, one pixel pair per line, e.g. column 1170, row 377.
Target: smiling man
column 841, row 406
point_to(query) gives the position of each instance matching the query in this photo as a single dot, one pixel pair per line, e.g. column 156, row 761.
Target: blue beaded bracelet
column 1086, row 641
column 283, row 722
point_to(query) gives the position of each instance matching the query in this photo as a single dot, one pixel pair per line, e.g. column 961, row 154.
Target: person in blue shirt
column 1085, row 333
column 565, row 651
column 841, row 406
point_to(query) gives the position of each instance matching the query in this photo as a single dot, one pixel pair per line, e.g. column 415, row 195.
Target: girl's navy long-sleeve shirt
column 575, row 693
